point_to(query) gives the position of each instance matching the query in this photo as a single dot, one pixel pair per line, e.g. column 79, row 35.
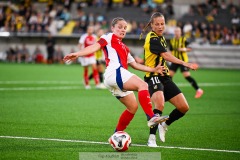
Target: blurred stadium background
column 45, row 112
column 212, row 26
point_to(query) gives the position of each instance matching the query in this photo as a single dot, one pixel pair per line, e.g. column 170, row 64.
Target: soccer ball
column 120, row 141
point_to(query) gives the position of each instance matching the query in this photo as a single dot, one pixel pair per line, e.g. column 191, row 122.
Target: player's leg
column 172, row 94
column 95, row 74
column 156, row 92
column 91, row 61
column 158, row 101
column 192, row 81
column 100, row 70
column 85, row 76
column 131, row 104
column 182, row 107
column 137, row 84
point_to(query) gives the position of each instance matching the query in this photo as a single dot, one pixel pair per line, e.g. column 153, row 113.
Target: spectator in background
column 170, row 27
column 129, row 27
column 37, row 55
column 223, row 5
column 23, row 54
column 145, row 7
column 58, row 55
column 65, row 16
column 68, row 4
column 135, row 28
column 50, row 44
column 33, row 21
column 187, row 30
column 45, row 21
column 11, row 54
column 236, row 38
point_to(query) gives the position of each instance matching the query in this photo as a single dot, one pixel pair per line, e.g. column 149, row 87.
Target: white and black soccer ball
column 120, row 141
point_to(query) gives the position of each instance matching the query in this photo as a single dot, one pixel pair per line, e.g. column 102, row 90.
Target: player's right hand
column 70, row 57
column 193, row 66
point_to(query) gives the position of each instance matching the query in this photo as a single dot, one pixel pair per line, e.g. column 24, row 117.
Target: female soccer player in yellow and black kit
column 161, row 87
column 179, row 48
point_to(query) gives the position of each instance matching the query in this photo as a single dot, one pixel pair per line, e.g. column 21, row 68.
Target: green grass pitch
column 50, row 102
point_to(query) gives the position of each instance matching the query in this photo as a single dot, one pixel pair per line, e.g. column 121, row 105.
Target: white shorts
column 115, row 79
column 86, row 61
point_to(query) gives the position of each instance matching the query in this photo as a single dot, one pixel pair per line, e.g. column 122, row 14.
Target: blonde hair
column 154, row 15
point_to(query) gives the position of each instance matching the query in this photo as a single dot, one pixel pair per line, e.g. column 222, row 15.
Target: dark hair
column 154, row 15
column 115, row 20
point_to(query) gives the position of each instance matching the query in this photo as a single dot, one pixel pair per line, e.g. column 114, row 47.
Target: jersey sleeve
column 130, row 58
column 82, row 39
column 104, row 40
column 156, row 47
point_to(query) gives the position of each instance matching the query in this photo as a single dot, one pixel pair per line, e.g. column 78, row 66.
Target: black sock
column 192, row 82
column 174, row 115
column 101, row 77
column 91, row 76
column 154, row 129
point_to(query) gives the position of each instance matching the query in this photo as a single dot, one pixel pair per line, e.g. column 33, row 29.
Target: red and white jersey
column 87, row 40
column 116, row 52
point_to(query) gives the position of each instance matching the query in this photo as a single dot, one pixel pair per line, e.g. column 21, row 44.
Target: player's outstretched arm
column 159, row 69
column 88, row 50
column 169, row 57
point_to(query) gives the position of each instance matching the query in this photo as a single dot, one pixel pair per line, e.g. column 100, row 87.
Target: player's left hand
column 161, row 70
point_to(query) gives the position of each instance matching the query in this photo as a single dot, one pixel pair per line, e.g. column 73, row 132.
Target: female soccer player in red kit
column 85, row 40
column 118, row 79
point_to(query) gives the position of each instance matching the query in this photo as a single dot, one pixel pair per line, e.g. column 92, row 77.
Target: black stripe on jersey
column 156, row 47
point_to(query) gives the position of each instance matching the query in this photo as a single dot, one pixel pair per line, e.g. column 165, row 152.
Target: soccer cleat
column 152, row 141
column 100, row 86
column 199, row 93
column 162, row 129
column 87, row 87
column 156, row 119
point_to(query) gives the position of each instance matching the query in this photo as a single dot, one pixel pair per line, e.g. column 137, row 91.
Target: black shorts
column 100, row 62
column 174, row 67
column 162, row 83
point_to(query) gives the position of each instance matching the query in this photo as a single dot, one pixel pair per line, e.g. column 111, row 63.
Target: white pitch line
column 105, row 143
column 77, row 82
column 209, row 84
column 40, row 82
column 40, row 88
column 80, row 87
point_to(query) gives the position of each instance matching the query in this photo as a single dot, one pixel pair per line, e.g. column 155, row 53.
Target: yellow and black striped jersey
column 99, row 53
column 153, row 47
column 179, row 43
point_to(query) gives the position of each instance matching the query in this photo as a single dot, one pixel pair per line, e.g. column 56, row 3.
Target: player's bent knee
column 143, row 86
column 185, row 109
column 133, row 109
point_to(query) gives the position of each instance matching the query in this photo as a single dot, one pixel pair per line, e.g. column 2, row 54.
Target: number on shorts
column 155, row 80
